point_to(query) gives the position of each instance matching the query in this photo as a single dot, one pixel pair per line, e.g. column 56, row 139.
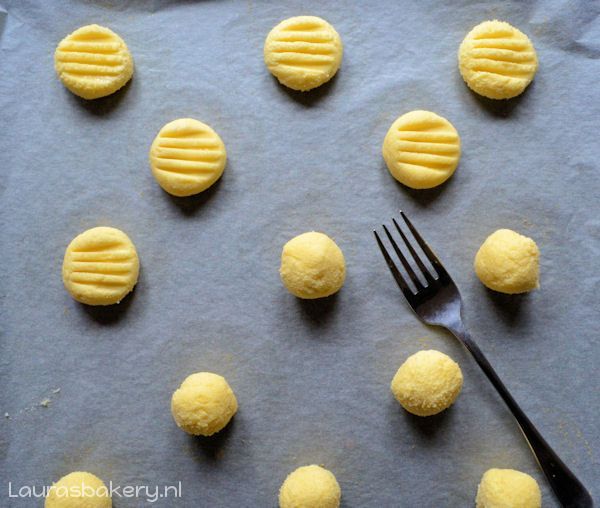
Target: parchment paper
column 312, row 378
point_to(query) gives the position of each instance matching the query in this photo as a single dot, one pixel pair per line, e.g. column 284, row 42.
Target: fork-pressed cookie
column 303, row 52
column 497, row 60
column 100, row 266
column 187, row 157
column 93, row 62
column 421, row 149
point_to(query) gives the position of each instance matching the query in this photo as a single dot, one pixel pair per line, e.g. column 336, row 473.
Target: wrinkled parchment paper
column 312, row 378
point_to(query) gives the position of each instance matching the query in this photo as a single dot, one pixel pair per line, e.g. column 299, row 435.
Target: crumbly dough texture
column 203, row 404
column 303, row 52
column 310, row 487
column 187, row 157
column 427, row 383
column 508, row 262
column 312, row 266
column 496, row 60
column 100, row 266
column 507, row 488
column 93, row 62
column 421, row 149
column 78, row 490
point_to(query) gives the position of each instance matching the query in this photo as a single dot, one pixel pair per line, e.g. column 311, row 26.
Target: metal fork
column 438, row 302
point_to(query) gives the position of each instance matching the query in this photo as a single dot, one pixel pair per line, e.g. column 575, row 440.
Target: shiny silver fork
column 438, row 302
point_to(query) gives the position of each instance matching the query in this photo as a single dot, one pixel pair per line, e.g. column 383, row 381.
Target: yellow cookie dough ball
column 508, row 262
column 507, row 488
column 496, row 60
column 203, row 404
column 187, row 157
column 303, row 52
column 421, row 149
column 100, row 266
column 312, row 266
column 93, row 62
column 78, row 490
column 427, row 383
column 310, row 487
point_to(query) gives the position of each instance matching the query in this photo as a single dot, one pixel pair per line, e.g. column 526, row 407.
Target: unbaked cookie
column 203, row 404
column 496, row 60
column 421, row 149
column 310, row 487
column 427, row 383
column 93, row 62
column 303, row 52
column 78, row 490
column 100, row 266
column 507, row 488
column 187, row 157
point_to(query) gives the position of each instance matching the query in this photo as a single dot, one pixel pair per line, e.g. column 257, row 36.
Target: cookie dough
column 187, row 157
column 496, row 60
column 100, row 266
column 203, row 404
column 508, row 262
column 427, row 383
column 78, row 490
column 312, row 266
column 93, row 62
column 507, row 488
column 303, row 52
column 421, row 149
column 310, row 487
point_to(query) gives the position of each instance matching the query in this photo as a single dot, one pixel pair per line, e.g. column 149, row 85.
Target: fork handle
column 568, row 489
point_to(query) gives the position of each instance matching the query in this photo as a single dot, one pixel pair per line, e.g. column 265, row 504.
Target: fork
column 438, row 302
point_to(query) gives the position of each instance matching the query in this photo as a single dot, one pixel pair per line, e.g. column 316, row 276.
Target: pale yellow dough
column 496, row 60
column 100, row 266
column 427, row 383
column 508, row 262
column 78, row 490
column 507, row 488
column 421, row 149
column 187, row 157
column 310, row 487
column 303, row 52
column 93, row 62
column 203, row 404
column 312, row 266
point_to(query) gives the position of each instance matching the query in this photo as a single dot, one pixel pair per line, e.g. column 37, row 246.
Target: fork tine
column 428, row 252
column 415, row 256
column 393, row 268
column 415, row 280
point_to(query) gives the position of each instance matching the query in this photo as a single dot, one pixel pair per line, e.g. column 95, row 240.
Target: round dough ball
column 421, row 149
column 310, row 487
column 100, row 266
column 93, row 62
column 496, row 60
column 203, row 404
column 187, row 157
column 303, row 52
column 427, row 383
column 78, row 490
column 508, row 262
column 312, row 266
column 507, row 488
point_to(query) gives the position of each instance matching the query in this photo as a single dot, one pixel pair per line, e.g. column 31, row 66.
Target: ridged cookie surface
column 93, row 62
column 187, row 157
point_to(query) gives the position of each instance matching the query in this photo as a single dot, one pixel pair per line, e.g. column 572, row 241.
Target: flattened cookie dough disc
column 303, row 52
column 421, row 149
column 187, row 157
column 496, row 60
column 93, row 62
column 100, row 267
